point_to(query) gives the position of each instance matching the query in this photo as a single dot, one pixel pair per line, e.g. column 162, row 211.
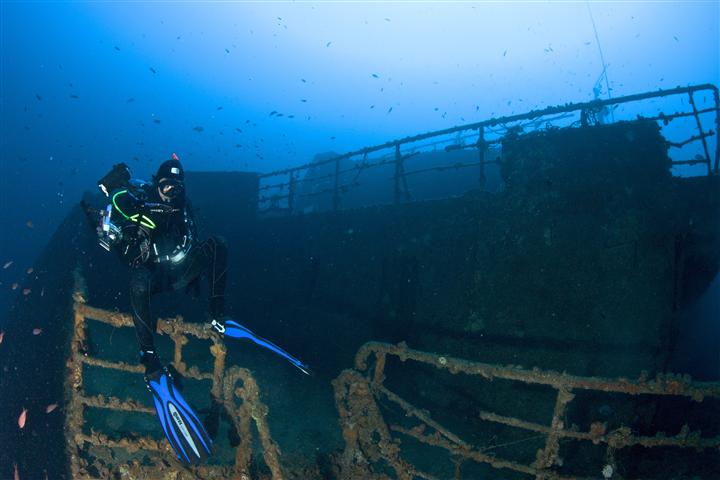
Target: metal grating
column 227, row 386
column 370, row 443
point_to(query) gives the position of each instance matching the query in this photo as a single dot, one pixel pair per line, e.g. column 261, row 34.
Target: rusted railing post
column 291, row 192
column 702, row 134
column 481, row 156
column 398, row 172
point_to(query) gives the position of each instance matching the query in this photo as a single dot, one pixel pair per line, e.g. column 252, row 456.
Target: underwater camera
column 108, row 233
column 116, row 178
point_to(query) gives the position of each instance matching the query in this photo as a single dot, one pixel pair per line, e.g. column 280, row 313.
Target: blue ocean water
column 255, row 87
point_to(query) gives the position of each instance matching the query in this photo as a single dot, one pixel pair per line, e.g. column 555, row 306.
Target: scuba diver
column 152, row 227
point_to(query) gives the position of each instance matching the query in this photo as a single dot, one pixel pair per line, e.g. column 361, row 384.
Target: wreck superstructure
column 522, row 332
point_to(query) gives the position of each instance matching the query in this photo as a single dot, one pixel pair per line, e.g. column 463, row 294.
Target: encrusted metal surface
column 91, row 455
column 358, row 392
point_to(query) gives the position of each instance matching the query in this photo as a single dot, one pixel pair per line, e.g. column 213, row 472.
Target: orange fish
column 22, row 418
column 50, row 407
column 26, row 291
column 37, row 331
column 17, row 474
column 2, row 334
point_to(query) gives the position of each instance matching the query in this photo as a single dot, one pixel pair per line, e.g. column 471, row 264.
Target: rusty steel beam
column 114, row 403
column 361, row 418
column 595, row 435
column 367, row 437
column 81, row 447
column 251, row 407
column 667, row 384
column 421, row 415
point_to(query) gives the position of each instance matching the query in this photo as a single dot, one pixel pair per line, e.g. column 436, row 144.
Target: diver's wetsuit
column 160, row 244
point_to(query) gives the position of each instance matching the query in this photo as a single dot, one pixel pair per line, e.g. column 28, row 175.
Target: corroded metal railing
column 162, row 459
column 368, row 437
column 285, row 192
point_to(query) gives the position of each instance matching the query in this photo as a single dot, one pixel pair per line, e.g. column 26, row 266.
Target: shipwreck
column 512, row 316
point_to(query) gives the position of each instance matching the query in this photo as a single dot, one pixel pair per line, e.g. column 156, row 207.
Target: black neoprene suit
column 148, row 276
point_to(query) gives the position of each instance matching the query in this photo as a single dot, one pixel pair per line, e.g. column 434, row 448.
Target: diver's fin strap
column 233, row 329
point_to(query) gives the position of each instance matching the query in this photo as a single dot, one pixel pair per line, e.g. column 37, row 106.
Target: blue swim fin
column 233, row 329
column 182, row 427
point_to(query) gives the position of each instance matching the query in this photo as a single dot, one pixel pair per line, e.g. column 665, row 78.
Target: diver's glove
column 232, row 329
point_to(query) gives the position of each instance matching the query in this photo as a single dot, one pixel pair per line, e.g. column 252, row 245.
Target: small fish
column 219, row 108
column 29, row 224
column 238, row 130
column 332, row 138
column 375, row 75
column 2, row 335
column 291, row 116
column 7, row 264
column 22, row 418
column 153, row 70
column 130, row 100
column 16, row 475
column 37, row 331
column 387, row 19
column 279, row 115
column 26, row 291
column 328, row 44
column 237, row 145
column 304, row 100
column 227, row 51
column 504, row 53
column 676, row 39
column 74, row 96
column 42, row 292
column 117, row 48
column 198, row 128
column 390, row 110
column 38, row 97
column 15, row 286
column 372, row 106
column 273, row 113
column 303, row 80
column 51, row 407
column 156, row 120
